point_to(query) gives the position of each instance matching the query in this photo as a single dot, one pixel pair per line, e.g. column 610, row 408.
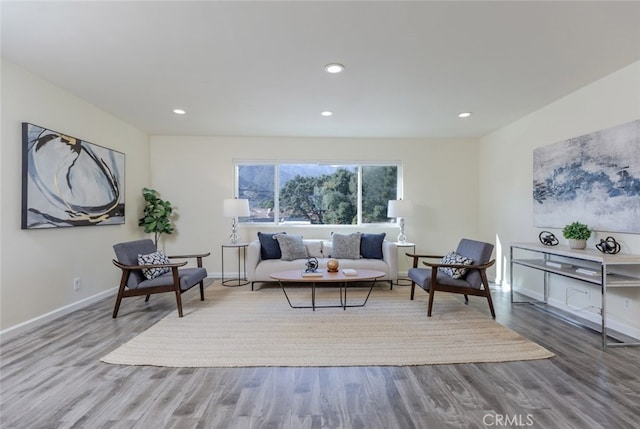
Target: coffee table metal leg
column 344, row 305
column 343, row 299
column 285, row 294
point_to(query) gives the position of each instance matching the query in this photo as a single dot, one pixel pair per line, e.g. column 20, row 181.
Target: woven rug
column 241, row 328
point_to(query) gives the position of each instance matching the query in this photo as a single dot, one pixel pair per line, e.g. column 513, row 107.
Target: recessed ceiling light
column 464, row 115
column 334, row 68
column 326, row 113
column 179, row 111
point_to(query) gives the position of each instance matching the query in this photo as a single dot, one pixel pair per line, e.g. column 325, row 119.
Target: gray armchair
column 134, row 283
column 473, row 282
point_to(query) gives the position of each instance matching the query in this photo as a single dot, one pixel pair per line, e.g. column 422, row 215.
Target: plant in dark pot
column 157, row 212
column 577, row 233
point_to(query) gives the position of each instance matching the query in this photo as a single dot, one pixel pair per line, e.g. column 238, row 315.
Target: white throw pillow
column 314, row 248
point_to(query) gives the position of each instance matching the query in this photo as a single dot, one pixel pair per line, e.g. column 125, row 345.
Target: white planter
column 577, row 244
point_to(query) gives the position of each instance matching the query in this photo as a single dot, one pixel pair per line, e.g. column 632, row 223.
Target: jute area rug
column 241, row 328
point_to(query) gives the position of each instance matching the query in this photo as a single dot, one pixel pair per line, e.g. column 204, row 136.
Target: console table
column 593, row 264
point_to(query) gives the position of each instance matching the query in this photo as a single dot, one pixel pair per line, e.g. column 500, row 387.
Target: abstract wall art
column 69, row 182
column 593, row 179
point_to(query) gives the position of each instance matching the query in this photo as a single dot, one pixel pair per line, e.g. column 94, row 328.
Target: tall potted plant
column 577, row 233
column 157, row 212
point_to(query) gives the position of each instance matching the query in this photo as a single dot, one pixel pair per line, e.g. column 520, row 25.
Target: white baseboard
column 591, row 317
column 14, row 331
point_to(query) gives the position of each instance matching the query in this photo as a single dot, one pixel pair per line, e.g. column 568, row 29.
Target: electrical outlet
column 626, row 303
column 76, row 284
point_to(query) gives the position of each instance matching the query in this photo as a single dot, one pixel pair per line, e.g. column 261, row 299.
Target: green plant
column 576, row 231
column 157, row 213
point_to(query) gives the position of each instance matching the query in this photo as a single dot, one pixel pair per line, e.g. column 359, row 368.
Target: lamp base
column 401, row 237
column 234, row 238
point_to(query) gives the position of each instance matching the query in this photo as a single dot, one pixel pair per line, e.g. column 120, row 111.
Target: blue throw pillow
column 371, row 245
column 269, row 246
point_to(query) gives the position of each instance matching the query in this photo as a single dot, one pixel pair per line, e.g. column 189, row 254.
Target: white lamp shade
column 400, row 208
column 235, row 207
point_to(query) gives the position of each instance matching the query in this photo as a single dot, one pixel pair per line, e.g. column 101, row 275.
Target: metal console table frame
column 605, row 279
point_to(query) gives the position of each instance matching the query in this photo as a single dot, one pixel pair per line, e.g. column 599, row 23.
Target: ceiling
column 256, row 68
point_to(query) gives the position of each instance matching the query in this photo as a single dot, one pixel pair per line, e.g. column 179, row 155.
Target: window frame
column 358, row 164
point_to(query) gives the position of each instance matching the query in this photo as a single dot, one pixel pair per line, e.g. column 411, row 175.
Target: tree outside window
column 318, row 194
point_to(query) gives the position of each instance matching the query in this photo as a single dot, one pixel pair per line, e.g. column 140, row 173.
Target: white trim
column 14, row 331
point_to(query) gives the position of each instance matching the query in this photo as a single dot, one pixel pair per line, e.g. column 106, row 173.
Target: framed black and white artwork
column 69, row 182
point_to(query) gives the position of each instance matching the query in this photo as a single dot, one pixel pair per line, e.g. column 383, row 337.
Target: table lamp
column 234, row 208
column 400, row 209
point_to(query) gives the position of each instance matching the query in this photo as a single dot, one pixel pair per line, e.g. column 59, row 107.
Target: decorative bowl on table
column 332, row 265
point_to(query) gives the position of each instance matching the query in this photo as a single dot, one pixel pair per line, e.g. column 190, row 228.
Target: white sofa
column 258, row 270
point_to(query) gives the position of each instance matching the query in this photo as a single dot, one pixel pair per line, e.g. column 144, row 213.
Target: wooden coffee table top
column 327, row 277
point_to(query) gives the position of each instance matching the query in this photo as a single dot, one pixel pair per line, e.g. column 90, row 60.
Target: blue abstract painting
column 69, row 182
column 593, row 179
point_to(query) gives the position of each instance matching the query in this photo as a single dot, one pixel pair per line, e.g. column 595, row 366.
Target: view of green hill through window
column 317, row 194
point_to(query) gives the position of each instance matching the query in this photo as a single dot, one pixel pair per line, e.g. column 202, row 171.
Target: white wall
column 506, row 181
column 196, row 174
column 38, row 266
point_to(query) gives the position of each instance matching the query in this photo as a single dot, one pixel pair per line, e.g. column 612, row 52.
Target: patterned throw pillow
column 346, row 246
column 291, row 246
column 154, row 258
column 454, row 258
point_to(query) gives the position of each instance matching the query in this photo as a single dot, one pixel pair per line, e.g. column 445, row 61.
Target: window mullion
column 359, row 196
column 276, row 195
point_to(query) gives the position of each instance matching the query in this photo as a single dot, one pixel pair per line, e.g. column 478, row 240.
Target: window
column 343, row 194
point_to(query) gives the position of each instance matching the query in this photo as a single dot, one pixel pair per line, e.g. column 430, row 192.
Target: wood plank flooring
column 52, row 378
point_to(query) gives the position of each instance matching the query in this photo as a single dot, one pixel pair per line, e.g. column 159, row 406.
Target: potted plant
column 156, row 215
column 577, row 233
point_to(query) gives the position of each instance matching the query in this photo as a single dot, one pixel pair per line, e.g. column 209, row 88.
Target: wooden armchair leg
column 117, row 306
column 179, row 302
column 490, row 301
column 202, row 291
column 487, row 292
column 147, row 298
column 466, row 299
column 413, row 289
column 430, row 307
column 123, row 282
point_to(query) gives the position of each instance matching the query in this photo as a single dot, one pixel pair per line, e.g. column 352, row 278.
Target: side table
column 241, row 280
column 404, row 281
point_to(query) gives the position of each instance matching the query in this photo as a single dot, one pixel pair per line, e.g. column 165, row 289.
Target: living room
column 492, row 198
column 477, row 186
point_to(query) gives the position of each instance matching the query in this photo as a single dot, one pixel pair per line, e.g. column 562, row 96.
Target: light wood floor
column 52, row 378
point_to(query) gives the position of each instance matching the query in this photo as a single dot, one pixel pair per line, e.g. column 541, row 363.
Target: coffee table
column 323, row 276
